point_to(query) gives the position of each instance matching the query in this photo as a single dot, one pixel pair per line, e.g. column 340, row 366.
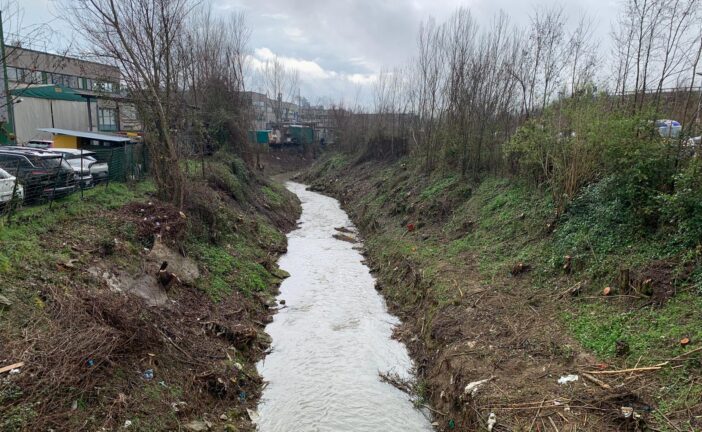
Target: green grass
column 436, row 188
column 652, row 332
column 21, row 236
column 273, row 197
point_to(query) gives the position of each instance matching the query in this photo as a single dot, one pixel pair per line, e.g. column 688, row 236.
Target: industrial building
column 55, row 91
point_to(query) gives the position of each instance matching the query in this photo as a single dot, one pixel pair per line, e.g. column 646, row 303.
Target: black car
column 43, row 174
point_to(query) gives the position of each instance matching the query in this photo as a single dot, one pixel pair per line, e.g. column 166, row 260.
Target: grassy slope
column 464, row 230
column 234, row 231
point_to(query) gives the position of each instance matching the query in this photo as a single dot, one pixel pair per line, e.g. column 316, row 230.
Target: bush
column 583, row 140
column 682, row 209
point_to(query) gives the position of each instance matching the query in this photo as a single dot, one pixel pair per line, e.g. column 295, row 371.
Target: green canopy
column 55, row 92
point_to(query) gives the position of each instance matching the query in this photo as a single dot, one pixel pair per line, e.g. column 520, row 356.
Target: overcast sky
column 339, row 45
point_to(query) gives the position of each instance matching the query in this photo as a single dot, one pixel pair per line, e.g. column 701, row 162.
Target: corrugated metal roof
column 88, row 135
column 55, row 92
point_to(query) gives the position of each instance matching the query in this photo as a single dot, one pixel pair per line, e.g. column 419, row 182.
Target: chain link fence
column 30, row 176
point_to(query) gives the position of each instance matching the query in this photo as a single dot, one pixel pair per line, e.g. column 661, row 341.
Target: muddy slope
column 110, row 342
column 490, row 351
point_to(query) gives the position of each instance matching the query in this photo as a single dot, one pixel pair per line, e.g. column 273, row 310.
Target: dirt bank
column 110, row 342
column 492, row 334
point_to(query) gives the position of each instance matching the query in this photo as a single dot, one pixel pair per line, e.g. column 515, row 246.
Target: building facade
column 56, row 91
column 264, row 111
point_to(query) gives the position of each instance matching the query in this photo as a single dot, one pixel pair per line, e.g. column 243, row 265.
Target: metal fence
column 33, row 176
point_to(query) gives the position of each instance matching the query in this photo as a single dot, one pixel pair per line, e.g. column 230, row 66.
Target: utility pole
column 7, row 118
column 699, row 105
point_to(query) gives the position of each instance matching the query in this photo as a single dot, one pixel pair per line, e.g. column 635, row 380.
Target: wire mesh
column 30, row 177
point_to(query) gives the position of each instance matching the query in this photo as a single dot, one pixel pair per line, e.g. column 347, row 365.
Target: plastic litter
column 127, row 423
column 253, row 415
column 565, row 379
column 451, row 424
column 472, row 388
column 149, row 374
column 492, row 421
column 90, row 362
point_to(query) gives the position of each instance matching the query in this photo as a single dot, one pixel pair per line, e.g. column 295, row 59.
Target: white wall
column 34, row 113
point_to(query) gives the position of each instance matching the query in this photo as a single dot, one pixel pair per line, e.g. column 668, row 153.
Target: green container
column 302, row 134
column 259, row 136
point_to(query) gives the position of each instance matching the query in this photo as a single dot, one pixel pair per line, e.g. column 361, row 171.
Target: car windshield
column 77, row 162
column 50, row 162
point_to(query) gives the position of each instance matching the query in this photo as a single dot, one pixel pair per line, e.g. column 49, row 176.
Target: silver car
column 85, row 160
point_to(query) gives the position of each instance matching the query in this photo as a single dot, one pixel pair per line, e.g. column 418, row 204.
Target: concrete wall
column 42, row 61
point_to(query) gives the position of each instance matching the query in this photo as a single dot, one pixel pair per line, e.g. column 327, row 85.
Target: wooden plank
column 10, row 367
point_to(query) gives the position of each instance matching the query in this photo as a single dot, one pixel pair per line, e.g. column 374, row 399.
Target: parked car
column 85, row 159
column 40, row 144
column 695, row 142
column 668, row 128
column 42, row 174
column 7, row 186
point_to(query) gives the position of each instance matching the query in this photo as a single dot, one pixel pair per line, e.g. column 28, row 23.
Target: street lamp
column 699, row 102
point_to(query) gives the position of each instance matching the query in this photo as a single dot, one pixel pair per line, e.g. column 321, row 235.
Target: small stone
column 4, row 301
column 224, row 417
column 281, row 301
column 196, row 426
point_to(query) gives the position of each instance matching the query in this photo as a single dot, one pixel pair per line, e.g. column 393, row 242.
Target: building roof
column 54, row 92
column 88, row 135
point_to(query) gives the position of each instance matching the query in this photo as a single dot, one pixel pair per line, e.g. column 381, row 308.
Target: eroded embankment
column 493, row 320
column 108, row 342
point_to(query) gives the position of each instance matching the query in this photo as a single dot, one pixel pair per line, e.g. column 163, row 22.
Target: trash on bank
column 629, row 412
column 492, row 421
column 149, row 374
column 12, row 368
column 565, row 379
column 474, row 387
column 253, row 415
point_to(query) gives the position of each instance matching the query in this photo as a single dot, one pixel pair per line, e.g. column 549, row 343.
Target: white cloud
column 309, row 70
column 362, row 79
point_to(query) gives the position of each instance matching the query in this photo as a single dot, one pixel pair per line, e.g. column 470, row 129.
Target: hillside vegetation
column 108, row 345
column 501, row 274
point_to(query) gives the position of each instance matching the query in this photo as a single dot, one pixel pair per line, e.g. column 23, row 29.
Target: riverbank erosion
column 122, row 312
column 503, row 303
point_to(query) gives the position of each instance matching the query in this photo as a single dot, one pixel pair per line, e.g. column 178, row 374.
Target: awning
column 88, row 135
column 54, row 92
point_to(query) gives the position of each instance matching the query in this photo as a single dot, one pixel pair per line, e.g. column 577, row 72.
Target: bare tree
column 143, row 37
column 281, row 84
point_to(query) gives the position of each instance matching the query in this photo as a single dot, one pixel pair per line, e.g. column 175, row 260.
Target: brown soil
column 89, row 344
column 287, row 161
column 505, row 332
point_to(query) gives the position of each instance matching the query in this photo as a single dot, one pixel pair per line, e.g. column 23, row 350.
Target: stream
column 332, row 338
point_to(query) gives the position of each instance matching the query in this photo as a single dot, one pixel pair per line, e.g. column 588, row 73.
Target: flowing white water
column 332, row 339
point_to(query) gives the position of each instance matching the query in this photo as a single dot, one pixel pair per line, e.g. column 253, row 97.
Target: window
column 72, row 81
column 103, row 86
column 13, row 74
column 107, row 119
